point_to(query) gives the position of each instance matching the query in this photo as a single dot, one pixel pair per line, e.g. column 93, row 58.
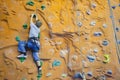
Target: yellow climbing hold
column 107, row 57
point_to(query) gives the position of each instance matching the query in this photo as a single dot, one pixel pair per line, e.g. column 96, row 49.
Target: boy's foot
column 22, row 56
column 39, row 69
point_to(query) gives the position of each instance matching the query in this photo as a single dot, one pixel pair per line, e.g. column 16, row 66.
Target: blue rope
column 115, row 35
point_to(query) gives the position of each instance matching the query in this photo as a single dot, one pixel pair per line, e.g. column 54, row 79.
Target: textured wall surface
column 73, row 32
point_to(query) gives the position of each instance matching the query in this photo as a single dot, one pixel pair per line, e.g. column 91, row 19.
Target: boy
column 33, row 41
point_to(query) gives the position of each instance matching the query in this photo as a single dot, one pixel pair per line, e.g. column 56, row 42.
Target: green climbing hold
column 41, row 63
column 24, row 79
column 64, row 75
column 56, row 63
column 107, row 58
column 17, row 38
column 22, row 59
column 31, row 3
column 43, row 7
column 39, row 76
column 39, row 35
column 25, row 26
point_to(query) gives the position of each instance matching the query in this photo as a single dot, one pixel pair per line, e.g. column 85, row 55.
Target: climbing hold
column 97, row 33
column 104, row 25
column 118, row 41
column 113, row 7
column 74, row 57
column 63, row 53
column 64, row 75
column 109, row 72
column 84, row 63
column 88, row 12
column 31, row 3
column 48, row 74
column 39, row 35
column 25, row 26
column 93, row 5
column 43, row 7
column 107, row 58
column 105, row 43
column 50, row 24
column 119, row 5
column 22, row 59
column 17, row 38
column 79, row 24
column 56, row 63
column 78, row 75
column 24, row 79
column 40, row 0
column 93, row 23
column 117, row 29
column 95, row 50
column 91, row 58
column 39, row 76
column 90, row 74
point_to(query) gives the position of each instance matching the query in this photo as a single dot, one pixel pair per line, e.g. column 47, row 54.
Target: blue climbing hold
column 90, row 74
column 105, row 43
column 113, row 7
column 109, row 72
column 91, row 58
column 78, row 75
column 97, row 33
column 119, row 5
column 56, row 63
column 118, row 41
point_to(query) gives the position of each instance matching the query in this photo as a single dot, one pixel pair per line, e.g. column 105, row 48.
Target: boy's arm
column 33, row 16
column 31, row 19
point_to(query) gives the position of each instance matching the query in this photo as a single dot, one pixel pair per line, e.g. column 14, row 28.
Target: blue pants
column 31, row 44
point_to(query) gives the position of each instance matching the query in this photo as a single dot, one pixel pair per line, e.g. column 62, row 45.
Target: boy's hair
column 38, row 23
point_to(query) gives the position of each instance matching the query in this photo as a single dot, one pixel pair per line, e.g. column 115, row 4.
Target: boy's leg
column 22, row 49
column 37, row 60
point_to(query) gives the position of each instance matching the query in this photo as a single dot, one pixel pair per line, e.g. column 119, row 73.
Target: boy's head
column 38, row 23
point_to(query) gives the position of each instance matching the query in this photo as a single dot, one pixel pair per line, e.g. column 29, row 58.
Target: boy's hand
column 32, row 15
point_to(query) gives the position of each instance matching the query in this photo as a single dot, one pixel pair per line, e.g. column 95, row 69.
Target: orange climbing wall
column 67, row 35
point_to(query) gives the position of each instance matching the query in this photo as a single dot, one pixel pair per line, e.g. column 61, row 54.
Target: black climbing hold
column 117, row 29
column 25, row 26
column 113, row 7
column 105, row 43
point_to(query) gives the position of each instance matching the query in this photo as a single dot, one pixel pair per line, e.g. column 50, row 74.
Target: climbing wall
column 78, row 38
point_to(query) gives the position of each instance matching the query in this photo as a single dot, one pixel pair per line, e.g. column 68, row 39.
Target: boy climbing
column 33, row 41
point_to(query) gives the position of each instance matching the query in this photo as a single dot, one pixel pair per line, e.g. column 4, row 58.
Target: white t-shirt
column 34, row 30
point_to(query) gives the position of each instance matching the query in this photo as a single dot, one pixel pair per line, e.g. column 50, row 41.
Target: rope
column 115, row 35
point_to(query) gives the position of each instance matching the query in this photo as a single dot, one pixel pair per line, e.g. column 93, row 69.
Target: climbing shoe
column 22, row 56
